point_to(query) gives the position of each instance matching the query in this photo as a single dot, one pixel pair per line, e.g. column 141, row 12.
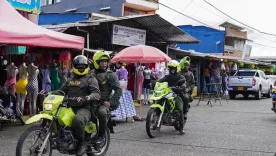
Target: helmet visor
column 81, row 66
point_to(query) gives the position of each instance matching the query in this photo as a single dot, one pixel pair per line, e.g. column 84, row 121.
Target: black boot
column 80, row 149
column 181, row 129
column 97, row 140
column 185, row 116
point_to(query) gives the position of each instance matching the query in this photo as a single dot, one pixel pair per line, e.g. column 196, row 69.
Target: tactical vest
column 173, row 79
column 188, row 77
column 104, row 86
column 78, row 88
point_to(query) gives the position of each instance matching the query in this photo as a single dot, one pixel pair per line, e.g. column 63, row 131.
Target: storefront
column 119, row 33
column 30, row 10
column 19, row 52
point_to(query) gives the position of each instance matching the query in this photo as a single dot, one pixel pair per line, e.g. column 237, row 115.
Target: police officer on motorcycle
column 190, row 83
column 108, row 82
column 175, row 79
column 86, row 88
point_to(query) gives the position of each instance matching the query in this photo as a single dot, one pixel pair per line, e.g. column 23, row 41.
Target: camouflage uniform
column 108, row 82
column 190, row 84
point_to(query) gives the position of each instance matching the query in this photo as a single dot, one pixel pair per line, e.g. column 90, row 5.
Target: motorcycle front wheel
column 29, row 145
column 152, row 121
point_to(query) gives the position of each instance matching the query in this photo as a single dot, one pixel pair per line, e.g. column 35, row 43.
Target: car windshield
column 246, row 73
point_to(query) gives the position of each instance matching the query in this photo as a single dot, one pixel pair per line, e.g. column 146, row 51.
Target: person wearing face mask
column 108, row 82
column 190, row 84
column 175, row 79
column 85, row 87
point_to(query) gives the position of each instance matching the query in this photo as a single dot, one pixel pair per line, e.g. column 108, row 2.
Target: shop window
column 130, row 11
column 43, row 2
column 105, row 11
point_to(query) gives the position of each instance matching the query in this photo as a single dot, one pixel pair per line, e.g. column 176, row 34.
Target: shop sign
column 26, row 5
column 127, row 36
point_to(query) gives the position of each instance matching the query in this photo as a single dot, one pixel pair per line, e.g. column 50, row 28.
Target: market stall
column 18, row 59
column 17, row 30
column 136, row 55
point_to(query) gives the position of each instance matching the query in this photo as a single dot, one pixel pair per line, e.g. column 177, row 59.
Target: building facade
column 211, row 40
column 29, row 9
column 116, row 8
column 235, row 39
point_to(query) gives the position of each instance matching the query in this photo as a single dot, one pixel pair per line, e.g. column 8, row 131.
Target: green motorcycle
column 162, row 111
column 54, row 131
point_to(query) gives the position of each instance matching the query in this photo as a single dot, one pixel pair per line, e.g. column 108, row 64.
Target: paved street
column 242, row 127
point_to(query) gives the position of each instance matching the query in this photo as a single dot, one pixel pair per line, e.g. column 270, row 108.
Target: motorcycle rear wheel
column 105, row 147
column 152, row 118
column 23, row 141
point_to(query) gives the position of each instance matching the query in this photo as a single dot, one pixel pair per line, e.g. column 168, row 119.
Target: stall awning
column 17, row 30
column 204, row 55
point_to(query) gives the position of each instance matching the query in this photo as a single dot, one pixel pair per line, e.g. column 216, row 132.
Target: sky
column 255, row 13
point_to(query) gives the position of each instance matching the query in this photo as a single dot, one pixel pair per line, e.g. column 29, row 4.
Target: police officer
column 86, row 88
column 190, row 83
column 108, row 82
column 175, row 79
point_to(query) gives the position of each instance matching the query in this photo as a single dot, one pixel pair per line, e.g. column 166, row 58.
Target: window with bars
column 49, row 2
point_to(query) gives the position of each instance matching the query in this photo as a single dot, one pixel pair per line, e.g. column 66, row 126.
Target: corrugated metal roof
column 189, row 53
column 155, row 24
column 203, row 55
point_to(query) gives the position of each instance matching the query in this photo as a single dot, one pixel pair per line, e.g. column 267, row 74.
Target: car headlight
column 48, row 107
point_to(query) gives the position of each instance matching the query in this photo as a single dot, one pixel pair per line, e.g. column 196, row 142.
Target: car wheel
column 258, row 94
column 269, row 93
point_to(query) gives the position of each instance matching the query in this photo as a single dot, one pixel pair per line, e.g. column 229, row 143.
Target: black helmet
column 80, row 65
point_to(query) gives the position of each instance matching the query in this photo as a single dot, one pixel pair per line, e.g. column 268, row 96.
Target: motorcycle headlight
column 158, row 92
column 48, row 107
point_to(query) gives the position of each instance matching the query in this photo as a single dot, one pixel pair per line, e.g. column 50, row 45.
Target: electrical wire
column 210, row 11
column 238, row 20
column 183, row 9
column 215, row 28
column 183, row 14
column 263, row 45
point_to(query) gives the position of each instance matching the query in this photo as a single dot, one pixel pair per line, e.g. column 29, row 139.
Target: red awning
column 17, row 30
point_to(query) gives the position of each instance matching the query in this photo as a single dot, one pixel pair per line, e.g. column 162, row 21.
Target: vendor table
column 217, row 96
column 126, row 108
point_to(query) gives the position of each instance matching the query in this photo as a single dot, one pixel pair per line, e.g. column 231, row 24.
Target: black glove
column 175, row 89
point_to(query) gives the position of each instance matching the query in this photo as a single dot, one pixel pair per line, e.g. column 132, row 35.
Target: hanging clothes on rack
column 21, row 87
column 55, row 81
column 140, row 81
column 32, row 88
column 63, row 75
column 147, row 84
column 12, row 71
column 46, row 81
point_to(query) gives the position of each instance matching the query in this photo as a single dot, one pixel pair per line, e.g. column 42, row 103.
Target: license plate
column 240, row 88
